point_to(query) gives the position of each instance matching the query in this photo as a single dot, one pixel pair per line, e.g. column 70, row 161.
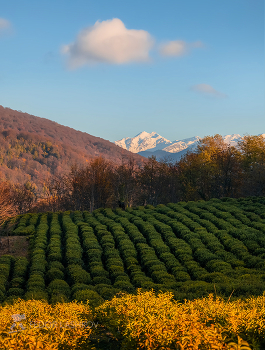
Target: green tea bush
column 36, row 285
column 4, row 270
column 19, row 292
column 125, row 286
column 59, row 287
column 80, row 286
column 55, row 265
column 77, row 274
column 218, row 266
column 101, row 280
column 36, row 295
column 54, row 273
column 88, row 295
column 98, row 271
column 17, row 282
column 59, row 298
column 180, row 275
column 115, row 271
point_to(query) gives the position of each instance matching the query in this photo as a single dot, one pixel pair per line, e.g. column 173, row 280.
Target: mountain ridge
column 153, row 144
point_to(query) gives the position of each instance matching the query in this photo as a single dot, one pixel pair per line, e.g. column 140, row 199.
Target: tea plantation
column 189, row 248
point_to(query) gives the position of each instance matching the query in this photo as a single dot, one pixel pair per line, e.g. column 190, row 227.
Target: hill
column 32, row 148
column 188, row 248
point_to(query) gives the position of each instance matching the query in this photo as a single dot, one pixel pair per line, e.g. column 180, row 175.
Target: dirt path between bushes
column 17, row 246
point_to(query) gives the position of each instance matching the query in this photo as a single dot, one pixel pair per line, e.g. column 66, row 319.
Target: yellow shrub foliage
column 35, row 325
column 158, row 322
column 142, row 321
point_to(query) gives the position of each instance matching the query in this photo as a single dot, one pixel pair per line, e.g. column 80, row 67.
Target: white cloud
column 109, row 42
column 173, row 48
column 4, row 25
column 178, row 47
column 207, row 90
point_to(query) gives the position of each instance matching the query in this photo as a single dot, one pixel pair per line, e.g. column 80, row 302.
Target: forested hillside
column 213, row 170
column 33, row 148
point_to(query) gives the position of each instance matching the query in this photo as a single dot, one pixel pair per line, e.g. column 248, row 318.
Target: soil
column 18, row 246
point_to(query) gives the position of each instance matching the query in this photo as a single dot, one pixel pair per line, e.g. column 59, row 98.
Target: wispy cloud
column 109, row 42
column 207, row 90
column 5, row 25
column 178, row 47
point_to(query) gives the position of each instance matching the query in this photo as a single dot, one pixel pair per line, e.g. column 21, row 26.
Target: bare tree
column 126, row 188
column 7, row 207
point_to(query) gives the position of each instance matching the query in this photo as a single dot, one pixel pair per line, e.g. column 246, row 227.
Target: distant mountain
column 181, row 145
column 32, row 148
column 152, row 144
column 163, row 155
column 143, row 141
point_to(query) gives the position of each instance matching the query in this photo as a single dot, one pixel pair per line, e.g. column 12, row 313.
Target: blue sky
column 116, row 68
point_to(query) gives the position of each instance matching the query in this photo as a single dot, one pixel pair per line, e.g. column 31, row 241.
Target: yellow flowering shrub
column 35, row 325
column 143, row 321
column 238, row 318
column 149, row 321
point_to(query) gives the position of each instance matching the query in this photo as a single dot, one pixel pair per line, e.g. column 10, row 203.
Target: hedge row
column 26, row 225
column 6, row 262
column 138, row 274
column 151, row 264
column 76, row 273
column 54, row 252
column 162, row 250
column 240, row 255
column 100, row 276
column 35, row 288
column 235, row 239
column 128, row 251
column 111, row 256
column 18, row 281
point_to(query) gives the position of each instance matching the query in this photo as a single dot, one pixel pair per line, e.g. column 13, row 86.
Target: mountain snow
column 232, row 139
column 177, row 146
column 143, row 141
column 153, row 144
column 148, row 144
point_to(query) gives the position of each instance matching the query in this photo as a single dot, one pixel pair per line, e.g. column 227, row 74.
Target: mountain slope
column 32, row 148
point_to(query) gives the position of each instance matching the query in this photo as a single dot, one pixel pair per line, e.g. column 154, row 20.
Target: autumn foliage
column 33, row 149
column 149, row 321
column 43, row 326
column 14, row 199
column 213, row 170
column 143, row 321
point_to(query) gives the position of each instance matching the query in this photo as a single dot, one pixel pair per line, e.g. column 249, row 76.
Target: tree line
column 214, row 169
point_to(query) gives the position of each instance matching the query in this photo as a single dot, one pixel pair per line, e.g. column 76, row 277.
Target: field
column 211, row 250
column 191, row 249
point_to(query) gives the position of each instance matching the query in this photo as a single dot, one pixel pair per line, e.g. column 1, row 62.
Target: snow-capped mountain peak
column 232, row 139
column 143, row 141
column 148, row 144
column 180, row 145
